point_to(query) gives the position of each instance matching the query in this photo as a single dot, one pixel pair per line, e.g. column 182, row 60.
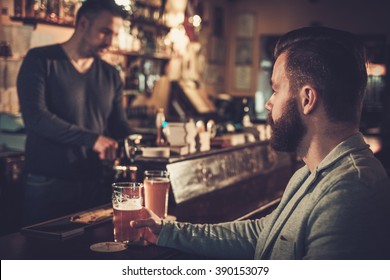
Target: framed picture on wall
column 218, row 22
column 244, row 50
column 245, row 30
column 243, row 77
column 216, row 50
column 214, row 75
column 245, row 25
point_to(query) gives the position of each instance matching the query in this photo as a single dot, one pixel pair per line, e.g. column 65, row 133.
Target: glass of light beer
column 127, row 200
column 157, row 184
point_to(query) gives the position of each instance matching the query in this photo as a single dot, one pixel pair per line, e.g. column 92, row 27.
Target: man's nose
column 268, row 105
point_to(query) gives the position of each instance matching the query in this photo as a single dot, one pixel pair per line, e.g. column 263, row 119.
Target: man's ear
column 83, row 23
column 309, row 99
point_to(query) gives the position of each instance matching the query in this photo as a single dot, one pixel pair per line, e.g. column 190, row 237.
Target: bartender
column 71, row 102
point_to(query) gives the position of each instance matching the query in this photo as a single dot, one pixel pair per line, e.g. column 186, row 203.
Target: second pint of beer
column 157, row 184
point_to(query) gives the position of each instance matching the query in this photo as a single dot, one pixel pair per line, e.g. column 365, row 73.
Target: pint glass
column 157, row 184
column 127, row 200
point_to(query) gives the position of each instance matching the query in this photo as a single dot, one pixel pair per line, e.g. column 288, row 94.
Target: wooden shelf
column 157, row 56
column 35, row 21
column 11, row 59
column 147, row 22
column 131, row 92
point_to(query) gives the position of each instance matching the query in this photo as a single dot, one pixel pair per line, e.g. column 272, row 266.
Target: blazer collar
column 353, row 143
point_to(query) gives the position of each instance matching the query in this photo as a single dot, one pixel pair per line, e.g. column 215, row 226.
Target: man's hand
column 152, row 224
column 105, row 147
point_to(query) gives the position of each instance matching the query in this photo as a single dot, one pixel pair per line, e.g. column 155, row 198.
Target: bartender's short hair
column 91, row 8
column 331, row 61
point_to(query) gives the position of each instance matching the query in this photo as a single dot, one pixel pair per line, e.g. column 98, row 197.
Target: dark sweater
column 65, row 111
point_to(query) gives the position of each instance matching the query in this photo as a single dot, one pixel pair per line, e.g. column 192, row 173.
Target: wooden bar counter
column 229, row 184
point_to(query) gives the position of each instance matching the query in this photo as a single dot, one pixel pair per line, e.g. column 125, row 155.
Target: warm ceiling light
column 196, row 20
column 376, row 69
column 125, row 3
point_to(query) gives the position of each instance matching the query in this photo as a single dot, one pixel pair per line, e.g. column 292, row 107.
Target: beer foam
column 157, row 180
column 129, row 204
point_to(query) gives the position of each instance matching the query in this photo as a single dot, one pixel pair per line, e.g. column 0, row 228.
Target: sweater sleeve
column 32, row 97
column 233, row 240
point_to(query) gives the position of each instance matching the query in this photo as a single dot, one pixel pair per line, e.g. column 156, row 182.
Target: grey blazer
column 340, row 211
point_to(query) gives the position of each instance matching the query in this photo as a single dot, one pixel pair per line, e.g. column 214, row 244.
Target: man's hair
column 91, row 8
column 331, row 61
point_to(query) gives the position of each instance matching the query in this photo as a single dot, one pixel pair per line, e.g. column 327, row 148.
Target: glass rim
column 127, row 185
column 157, row 173
column 125, row 167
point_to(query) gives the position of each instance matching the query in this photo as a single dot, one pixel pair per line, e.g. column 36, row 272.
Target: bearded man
column 337, row 205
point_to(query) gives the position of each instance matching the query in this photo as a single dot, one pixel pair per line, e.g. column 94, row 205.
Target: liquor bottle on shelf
column 135, row 80
column 57, row 12
column 160, row 123
column 53, row 11
column 19, row 8
column 246, row 119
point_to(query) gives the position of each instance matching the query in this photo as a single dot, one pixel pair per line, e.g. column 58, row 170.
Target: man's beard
column 288, row 131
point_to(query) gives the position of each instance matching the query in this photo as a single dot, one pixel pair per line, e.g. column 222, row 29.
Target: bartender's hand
column 152, row 224
column 105, row 147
